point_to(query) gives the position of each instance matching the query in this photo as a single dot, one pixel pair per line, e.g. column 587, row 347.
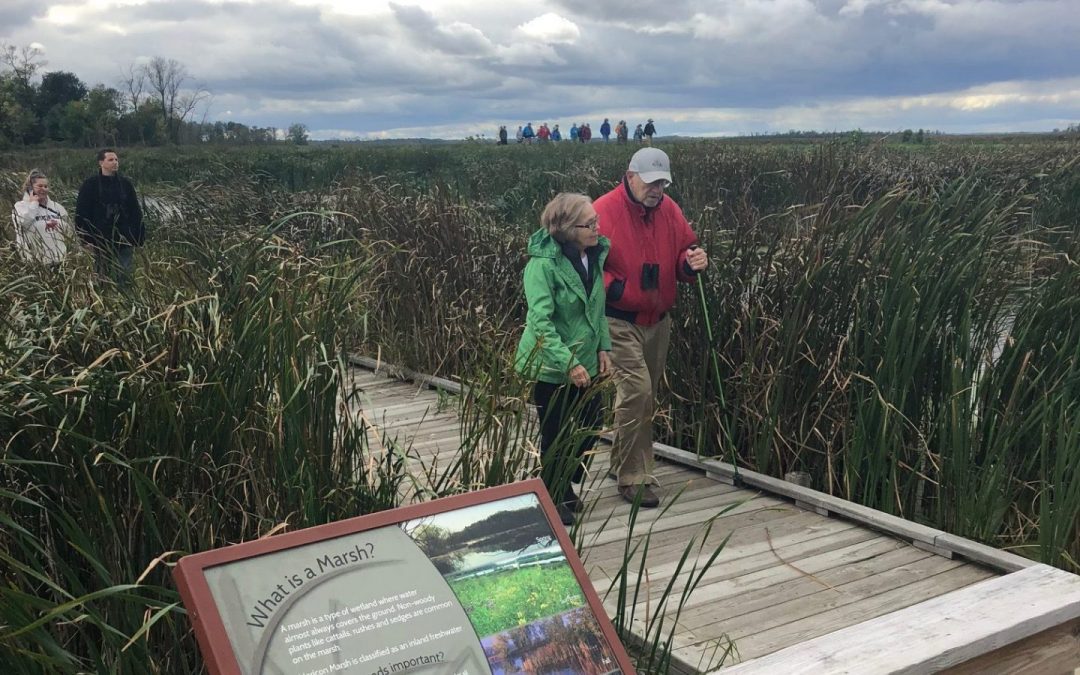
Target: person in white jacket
column 42, row 229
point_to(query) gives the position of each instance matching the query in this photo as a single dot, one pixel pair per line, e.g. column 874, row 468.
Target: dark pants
column 568, row 417
column 116, row 263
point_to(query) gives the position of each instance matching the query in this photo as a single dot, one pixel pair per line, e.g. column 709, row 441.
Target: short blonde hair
column 562, row 213
column 35, row 175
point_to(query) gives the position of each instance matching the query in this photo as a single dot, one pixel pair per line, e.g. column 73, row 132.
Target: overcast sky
column 452, row 68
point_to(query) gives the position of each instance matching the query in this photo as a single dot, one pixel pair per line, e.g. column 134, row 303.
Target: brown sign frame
column 210, row 632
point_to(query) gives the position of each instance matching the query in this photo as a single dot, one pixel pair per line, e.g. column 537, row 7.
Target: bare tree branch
column 24, row 61
column 133, row 83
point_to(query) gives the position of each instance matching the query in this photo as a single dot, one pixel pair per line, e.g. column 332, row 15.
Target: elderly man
column 652, row 247
column 109, row 220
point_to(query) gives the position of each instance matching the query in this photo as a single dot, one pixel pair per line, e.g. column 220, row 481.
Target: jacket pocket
column 615, row 290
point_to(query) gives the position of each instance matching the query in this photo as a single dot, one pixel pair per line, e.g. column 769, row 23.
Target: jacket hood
column 543, row 245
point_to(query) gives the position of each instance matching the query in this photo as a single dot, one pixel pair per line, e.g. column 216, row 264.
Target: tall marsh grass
column 900, row 324
column 866, row 304
column 208, row 405
column 201, row 409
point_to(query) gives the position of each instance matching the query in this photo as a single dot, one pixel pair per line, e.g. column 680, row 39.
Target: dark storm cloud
column 19, row 13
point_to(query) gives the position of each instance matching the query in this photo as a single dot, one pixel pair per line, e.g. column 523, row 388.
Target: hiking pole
column 726, row 431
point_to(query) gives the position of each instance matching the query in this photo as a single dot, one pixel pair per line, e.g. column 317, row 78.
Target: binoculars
column 650, row 276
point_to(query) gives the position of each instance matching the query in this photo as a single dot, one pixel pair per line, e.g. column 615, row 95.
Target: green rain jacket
column 565, row 326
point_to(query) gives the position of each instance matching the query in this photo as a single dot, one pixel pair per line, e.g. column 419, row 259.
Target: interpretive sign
column 472, row 584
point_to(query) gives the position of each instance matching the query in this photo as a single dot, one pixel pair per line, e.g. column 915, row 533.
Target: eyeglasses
column 591, row 225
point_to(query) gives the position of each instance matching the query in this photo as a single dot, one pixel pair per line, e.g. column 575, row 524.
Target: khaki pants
column 639, row 354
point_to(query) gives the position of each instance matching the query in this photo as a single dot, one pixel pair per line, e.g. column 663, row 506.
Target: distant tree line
column 155, row 103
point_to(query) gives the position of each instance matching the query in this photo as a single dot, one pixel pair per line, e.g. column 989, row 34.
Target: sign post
column 472, row 584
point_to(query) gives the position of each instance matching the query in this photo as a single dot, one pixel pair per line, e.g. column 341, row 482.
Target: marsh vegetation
column 901, row 323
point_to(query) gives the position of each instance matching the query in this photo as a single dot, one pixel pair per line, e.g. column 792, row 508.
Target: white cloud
column 552, row 29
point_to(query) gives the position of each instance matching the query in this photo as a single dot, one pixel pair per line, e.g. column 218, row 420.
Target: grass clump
column 202, row 408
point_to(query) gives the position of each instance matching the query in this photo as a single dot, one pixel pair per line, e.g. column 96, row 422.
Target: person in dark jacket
column 565, row 345
column 605, row 129
column 649, row 131
column 502, row 135
column 109, row 220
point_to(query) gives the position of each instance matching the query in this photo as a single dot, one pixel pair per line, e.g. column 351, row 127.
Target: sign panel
column 472, row 584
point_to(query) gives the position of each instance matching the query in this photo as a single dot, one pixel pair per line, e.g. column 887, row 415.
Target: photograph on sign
column 486, row 588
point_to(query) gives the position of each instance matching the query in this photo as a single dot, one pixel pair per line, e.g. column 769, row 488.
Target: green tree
column 59, row 89
column 143, row 126
column 298, row 133
column 65, row 123
column 19, row 124
column 17, row 118
column 103, row 113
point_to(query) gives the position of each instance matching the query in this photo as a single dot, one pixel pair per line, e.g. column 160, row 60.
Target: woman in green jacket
column 566, row 343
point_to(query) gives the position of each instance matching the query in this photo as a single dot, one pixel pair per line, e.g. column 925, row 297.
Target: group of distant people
column 580, row 133
column 599, row 284
column 108, row 221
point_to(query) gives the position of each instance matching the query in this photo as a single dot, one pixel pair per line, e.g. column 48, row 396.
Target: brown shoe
column 643, row 494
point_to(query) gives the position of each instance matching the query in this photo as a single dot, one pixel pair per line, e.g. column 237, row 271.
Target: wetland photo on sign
column 513, row 580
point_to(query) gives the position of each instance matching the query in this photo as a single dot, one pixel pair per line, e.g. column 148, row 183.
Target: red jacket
column 639, row 236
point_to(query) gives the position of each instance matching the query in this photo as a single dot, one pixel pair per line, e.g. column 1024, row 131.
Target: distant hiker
column 574, row 133
column 556, row 135
column 566, row 345
column 584, row 133
column 543, row 134
column 638, row 133
column 528, row 134
column 502, row 135
column 605, row 130
column 621, row 132
column 520, row 135
column 109, row 220
column 650, row 131
column 42, row 230
column 652, row 248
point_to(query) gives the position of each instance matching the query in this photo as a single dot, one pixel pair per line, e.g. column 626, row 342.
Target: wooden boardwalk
column 798, row 568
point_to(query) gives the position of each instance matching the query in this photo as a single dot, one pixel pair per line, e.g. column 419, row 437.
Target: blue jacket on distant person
column 573, row 133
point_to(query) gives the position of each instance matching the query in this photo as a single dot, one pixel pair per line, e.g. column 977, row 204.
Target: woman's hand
column 580, row 377
column 605, row 363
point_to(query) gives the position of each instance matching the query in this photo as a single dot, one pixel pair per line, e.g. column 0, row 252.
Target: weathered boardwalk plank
column 799, row 590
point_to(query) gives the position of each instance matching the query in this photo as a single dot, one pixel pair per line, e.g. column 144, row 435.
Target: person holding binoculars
column 652, row 248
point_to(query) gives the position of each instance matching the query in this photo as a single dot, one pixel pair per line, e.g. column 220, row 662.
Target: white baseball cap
column 651, row 164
